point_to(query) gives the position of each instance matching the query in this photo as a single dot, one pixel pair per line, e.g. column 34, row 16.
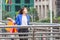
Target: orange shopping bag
column 13, row 30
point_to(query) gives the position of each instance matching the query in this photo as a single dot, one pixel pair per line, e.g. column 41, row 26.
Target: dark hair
column 21, row 11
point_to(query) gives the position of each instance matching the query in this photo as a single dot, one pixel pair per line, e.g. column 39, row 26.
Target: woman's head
column 23, row 11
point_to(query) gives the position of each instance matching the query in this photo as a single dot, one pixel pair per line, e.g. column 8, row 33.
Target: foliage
column 17, row 13
column 33, row 13
column 5, row 14
column 45, row 20
column 49, row 13
column 56, row 20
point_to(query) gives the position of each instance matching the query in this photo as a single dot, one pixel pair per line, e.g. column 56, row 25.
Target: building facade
column 42, row 7
column 58, row 8
column 13, row 6
column 54, row 8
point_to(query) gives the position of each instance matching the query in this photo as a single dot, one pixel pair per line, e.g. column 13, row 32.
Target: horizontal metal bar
column 38, row 28
column 15, row 33
column 30, row 33
column 28, row 37
column 16, row 37
column 46, row 36
column 47, row 32
column 28, row 26
column 13, row 26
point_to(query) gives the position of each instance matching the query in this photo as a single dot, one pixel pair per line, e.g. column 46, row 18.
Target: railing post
column 51, row 33
column 33, row 34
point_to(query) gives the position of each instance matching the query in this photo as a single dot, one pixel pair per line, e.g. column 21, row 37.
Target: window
column 8, row 7
column 27, row 6
column 47, row 6
column 8, row 1
column 17, row 7
column 17, row 1
column 43, row 11
column 36, row 7
column 39, row 0
column 27, row 1
column 58, row 0
column 46, row 0
column 36, row 0
column 43, row 0
column 40, row 10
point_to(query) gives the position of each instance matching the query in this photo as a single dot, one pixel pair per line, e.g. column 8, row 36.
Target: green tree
column 33, row 13
column 5, row 14
column 49, row 14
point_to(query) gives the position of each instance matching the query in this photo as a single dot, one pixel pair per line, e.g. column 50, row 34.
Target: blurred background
column 39, row 10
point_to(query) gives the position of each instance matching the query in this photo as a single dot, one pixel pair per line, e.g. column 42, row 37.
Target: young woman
column 23, row 19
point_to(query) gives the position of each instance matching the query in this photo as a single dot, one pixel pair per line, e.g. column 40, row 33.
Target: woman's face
column 25, row 11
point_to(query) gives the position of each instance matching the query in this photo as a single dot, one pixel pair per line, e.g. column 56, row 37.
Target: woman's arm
column 17, row 20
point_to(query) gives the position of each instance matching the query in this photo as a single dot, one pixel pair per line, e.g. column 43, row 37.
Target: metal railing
column 36, row 32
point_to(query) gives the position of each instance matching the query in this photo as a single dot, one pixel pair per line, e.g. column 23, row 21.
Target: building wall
column 42, row 7
column 14, row 6
column 58, row 8
column 54, row 8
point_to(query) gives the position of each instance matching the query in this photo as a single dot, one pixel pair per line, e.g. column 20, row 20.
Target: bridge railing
column 35, row 32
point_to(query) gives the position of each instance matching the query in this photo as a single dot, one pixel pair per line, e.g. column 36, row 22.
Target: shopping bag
column 13, row 30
